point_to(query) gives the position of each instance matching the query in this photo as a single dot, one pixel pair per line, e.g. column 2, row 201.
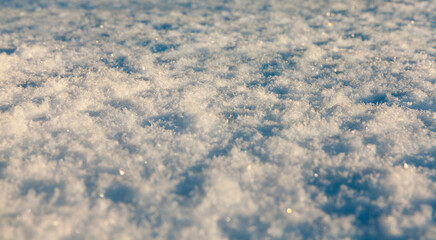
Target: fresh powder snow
column 229, row 119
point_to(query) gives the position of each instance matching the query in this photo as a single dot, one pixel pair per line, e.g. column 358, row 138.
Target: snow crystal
column 203, row 119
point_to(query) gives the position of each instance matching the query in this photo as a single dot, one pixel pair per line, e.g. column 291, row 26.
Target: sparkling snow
column 233, row 119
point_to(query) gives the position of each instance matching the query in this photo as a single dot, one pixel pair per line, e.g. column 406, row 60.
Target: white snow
column 203, row 119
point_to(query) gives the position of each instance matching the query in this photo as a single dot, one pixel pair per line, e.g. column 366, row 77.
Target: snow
column 205, row 119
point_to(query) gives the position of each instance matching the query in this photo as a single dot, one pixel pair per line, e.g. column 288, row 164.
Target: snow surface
column 233, row 119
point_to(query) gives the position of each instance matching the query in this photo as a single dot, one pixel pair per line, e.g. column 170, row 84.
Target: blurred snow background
column 233, row 119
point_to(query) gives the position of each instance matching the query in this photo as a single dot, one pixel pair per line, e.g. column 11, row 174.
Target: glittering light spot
column 329, row 24
column 289, row 210
column 249, row 167
column 405, row 165
column 101, row 195
column 315, row 174
column 228, row 219
column 101, row 26
column 121, row 171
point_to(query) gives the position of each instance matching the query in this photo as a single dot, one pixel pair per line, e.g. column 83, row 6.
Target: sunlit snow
column 230, row 119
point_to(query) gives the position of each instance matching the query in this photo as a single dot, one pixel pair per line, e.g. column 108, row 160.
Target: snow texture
column 232, row 119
